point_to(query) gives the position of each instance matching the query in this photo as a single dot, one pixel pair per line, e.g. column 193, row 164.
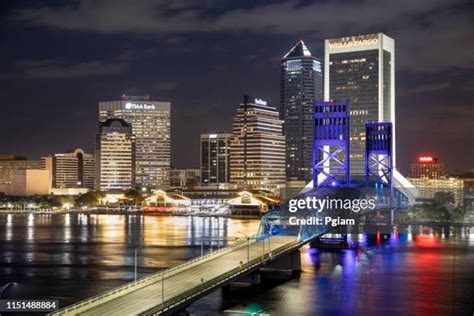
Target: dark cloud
column 422, row 88
column 421, row 25
column 53, row 69
column 204, row 55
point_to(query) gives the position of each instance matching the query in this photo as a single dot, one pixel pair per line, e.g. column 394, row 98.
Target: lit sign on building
column 426, row 159
column 260, row 101
column 353, row 41
column 140, row 106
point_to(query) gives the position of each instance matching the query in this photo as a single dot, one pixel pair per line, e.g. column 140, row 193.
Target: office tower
column 150, row 122
column 185, row 178
column 215, row 155
column 301, row 86
column 115, row 152
column 361, row 69
column 427, row 167
column 72, row 169
column 8, row 163
column 257, row 154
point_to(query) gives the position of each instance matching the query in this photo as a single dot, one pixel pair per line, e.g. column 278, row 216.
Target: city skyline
column 52, row 101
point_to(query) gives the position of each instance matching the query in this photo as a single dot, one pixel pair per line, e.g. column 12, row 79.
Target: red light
column 426, row 159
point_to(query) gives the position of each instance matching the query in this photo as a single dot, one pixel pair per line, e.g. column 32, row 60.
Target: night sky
column 58, row 59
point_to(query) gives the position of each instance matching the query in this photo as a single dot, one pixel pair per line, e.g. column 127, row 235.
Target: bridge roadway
column 186, row 282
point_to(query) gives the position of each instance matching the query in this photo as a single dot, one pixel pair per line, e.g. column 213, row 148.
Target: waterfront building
column 72, row 169
column 428, row 187
column 361, row 69
column 427, row 167
column 301, row 85
column 185, row 178
column 8, row 163
column 257, row 158
column 215, row 158
column 150, row 123
column 115, row 152
column 210, row 200
column 28, row 182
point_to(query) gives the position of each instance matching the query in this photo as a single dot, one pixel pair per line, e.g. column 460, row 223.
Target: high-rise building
column 115, row 152
column 8, row 163
column 361, row 69
column 73, row 169
column 257, row 154
column 427, row 167
column 215, row 158
column 301, row 86
column 150, row 123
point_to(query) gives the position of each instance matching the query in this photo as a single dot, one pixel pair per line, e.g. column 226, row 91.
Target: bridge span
column 173, row 289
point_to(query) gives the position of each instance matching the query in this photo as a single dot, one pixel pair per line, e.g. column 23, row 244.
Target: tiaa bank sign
column 139, row 106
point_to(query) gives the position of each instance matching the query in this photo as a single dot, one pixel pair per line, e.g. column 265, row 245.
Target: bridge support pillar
column 291, row 262
column 256, row 278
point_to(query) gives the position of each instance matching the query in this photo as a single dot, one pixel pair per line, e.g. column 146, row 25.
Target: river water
column 419, row 271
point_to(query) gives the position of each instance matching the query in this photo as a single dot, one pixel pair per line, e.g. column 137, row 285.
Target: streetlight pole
column 248, row 249
column 162, row 287
column 136, row 250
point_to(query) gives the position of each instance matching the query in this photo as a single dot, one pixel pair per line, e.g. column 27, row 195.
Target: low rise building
column 429, row 187
column 10, row 162
column 27, row 182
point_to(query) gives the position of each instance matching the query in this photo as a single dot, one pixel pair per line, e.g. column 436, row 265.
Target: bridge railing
column 143, row 282
column 211, row 284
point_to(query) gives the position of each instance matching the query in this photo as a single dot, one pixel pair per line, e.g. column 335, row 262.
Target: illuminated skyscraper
column 115, row 152
column 361, row 69
column 257, row 154
column 301, row 86
column 215, row 156
column 150, row 123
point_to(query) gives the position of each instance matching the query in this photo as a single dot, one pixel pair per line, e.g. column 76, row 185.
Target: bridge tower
column 331, row 144
column 378, row 152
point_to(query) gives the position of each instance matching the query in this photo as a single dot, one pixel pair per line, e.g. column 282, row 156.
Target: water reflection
column 395, row 271
column 73, row 256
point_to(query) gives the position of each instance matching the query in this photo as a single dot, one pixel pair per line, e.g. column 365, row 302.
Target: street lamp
column 136, row 254
column 248, row 237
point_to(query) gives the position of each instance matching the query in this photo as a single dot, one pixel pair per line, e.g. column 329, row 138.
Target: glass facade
column 150, row 122
column 354, row 76
column 360, row 69
column 301, row 87
column 215, row 155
